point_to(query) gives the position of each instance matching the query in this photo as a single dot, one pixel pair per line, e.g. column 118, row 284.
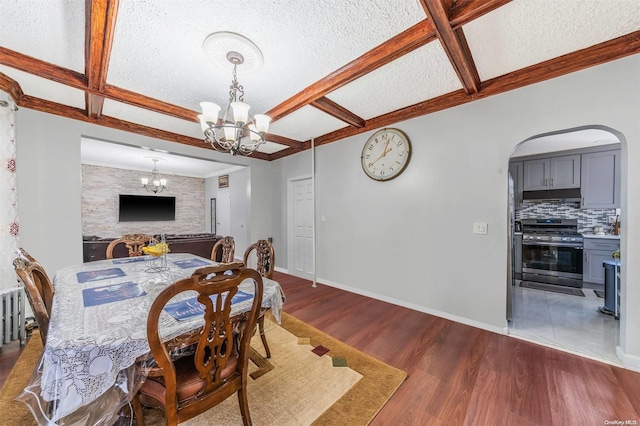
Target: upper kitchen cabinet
column 516, row 172
column 552, row 173
column 601, row 180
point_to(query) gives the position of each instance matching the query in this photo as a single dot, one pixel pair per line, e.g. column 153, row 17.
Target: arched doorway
column 552, row 312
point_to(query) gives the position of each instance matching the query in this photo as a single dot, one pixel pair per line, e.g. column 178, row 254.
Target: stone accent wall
column 102, row 185
column 587, row 218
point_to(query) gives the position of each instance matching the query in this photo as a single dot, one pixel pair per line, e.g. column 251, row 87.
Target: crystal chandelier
column 230, row 133
column 154, row 183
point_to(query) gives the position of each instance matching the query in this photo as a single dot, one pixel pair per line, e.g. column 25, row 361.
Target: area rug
column 14, row 412
column 553, row 288
column 599, row 293
column 310, row 379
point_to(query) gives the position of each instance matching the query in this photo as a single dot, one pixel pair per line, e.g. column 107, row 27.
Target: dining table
column 97, row 331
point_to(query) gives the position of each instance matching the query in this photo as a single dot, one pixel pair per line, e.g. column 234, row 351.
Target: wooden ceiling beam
column 464, row 11
column 598, row 54
column 100, row 22
column 454, row 43
column 78, row 81
column 283, row 153
column 42, row 69
column 399, row 45
column 326, row 105
column 141, row 101
column 114, row 123
column 282, row 140
column 595, row 55
column 10, row 86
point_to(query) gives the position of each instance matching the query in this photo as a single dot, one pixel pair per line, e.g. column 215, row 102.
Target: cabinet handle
column 546, row 181
column 551, row 182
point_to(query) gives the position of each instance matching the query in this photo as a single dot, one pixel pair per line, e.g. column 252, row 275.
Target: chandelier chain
column 236, row 88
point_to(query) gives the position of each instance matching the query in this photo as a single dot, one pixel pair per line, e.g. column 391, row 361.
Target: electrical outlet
column 612, row 220
column 480, row 228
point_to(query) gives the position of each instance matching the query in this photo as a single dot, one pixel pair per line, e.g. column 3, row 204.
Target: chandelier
column 154, row 183
column 237, row 131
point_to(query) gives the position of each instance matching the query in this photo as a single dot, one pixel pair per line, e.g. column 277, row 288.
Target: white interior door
column 302, row 227
column 223, row 212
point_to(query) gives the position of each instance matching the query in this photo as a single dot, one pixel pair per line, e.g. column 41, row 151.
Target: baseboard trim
column 419, row 308
column 630, row 362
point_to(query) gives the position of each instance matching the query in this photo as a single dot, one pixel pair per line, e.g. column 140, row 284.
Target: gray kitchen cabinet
column 600, row 180
column 552, row 173
column 516, row 172
column 596, row 251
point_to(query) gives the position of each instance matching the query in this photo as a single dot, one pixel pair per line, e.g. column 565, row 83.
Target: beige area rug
column 310, row 379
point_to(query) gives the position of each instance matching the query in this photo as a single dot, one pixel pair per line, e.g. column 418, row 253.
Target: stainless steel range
column 552, row 251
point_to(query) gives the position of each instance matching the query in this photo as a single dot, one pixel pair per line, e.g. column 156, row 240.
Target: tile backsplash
column 587, row 218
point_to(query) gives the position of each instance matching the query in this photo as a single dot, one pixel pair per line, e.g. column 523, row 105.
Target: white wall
column 410, row 240
column 240, row 193
column 49, row 182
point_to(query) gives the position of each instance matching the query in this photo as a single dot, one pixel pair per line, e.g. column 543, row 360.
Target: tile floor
column 570, row 323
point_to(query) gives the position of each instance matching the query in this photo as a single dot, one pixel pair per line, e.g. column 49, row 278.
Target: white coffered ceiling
column 377, row 60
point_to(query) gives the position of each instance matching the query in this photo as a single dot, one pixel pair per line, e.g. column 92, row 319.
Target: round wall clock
column 386, row 154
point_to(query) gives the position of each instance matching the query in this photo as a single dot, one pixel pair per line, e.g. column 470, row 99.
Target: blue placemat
column 129, row 260
column 190, row 263
column 189, row 308
column 102, row 274
column 111, row 293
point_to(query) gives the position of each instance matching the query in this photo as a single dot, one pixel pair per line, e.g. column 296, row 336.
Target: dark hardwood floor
column 9, row 354
column 457, row 374
column 460, row 375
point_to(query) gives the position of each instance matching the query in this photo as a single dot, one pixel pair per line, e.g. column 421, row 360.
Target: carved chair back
column 265, row 257
column 132, row 242
column 219, row 367
column 38, row 289
column 228, row 248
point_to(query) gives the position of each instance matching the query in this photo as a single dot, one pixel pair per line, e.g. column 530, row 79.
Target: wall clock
column 386, row 154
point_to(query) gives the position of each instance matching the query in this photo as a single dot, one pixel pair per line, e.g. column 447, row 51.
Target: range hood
column 570, row 195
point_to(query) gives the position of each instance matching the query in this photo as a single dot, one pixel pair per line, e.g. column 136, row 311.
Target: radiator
column 12, row 305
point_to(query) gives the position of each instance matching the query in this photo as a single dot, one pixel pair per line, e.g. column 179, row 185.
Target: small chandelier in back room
column 154, row 183
column 237, row 131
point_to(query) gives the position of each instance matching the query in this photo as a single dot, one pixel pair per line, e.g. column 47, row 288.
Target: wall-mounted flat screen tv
column 144, row 208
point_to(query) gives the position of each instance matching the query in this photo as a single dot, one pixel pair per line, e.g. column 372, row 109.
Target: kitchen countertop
column 606, row 236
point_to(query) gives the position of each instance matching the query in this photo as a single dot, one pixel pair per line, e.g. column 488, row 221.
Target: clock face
column 386, row 154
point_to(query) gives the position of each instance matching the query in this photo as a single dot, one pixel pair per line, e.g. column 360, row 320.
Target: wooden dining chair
column 193, row 384
column 226, row 247
column 38, row 289
column 265, row 258
column 132, row 242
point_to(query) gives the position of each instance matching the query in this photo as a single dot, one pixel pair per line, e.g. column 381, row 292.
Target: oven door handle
column 553, row 244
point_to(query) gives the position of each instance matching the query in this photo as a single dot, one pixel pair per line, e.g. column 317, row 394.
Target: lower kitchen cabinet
column 596, row 251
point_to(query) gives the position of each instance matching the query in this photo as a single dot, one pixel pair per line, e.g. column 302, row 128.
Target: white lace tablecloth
column 87, row 347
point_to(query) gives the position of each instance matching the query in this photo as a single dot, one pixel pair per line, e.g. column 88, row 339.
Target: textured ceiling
column 332, row 68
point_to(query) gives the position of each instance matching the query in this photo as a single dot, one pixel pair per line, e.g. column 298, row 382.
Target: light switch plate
column 480, row 228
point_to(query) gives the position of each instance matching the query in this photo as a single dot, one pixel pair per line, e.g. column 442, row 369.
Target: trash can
column 609, row 287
